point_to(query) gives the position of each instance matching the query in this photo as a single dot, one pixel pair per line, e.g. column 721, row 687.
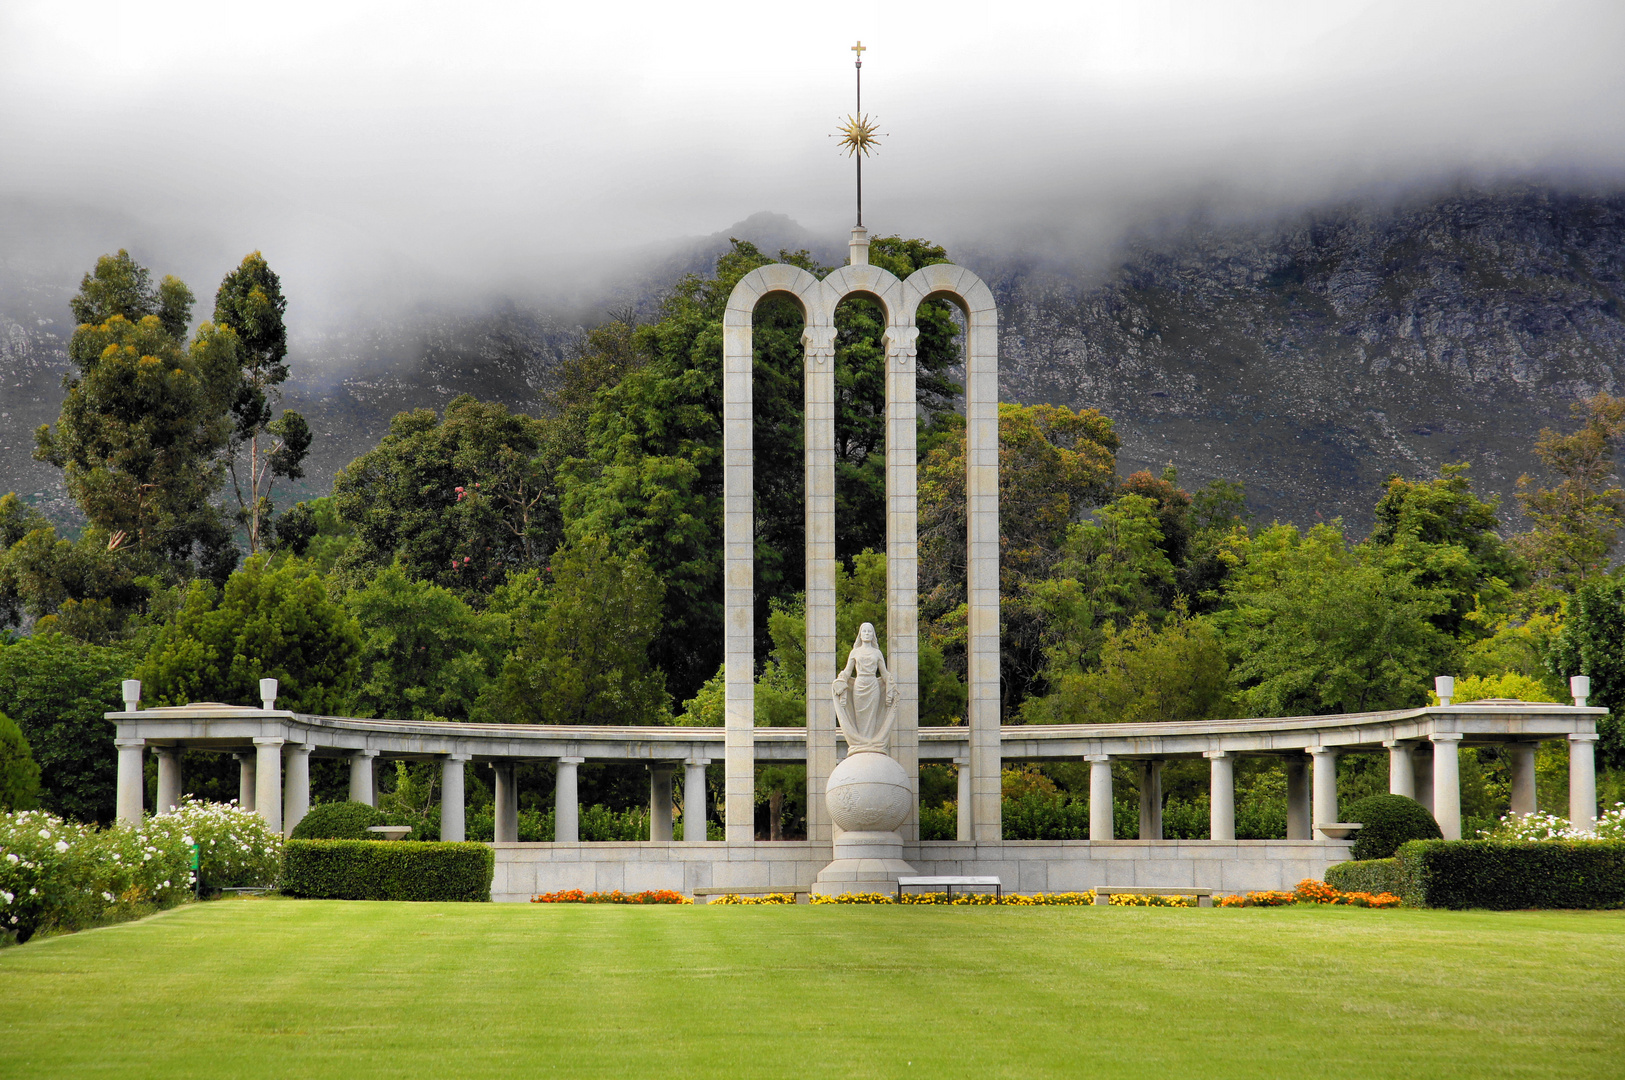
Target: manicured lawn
column 270, row 987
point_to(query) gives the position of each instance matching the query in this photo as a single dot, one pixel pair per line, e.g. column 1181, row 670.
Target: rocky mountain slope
column 1309, row 358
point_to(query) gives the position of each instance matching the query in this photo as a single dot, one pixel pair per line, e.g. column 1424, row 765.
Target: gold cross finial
column 859, row 49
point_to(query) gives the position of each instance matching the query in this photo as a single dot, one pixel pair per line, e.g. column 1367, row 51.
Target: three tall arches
column 900, row 300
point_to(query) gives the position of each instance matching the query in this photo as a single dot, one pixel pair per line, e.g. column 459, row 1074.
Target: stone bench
column 951, row 882
column 802, row 893
column 1103, row 895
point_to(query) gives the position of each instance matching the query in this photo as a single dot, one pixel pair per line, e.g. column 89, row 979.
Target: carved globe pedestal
column 868, row 798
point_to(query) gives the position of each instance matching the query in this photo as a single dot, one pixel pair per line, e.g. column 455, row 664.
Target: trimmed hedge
column 394, row 870
column 1389, row 820
column 1365, row 875
column 338, row 821
column 1513, row 875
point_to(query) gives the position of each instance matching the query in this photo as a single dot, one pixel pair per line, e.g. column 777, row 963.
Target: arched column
column 818, row 435
column 903, row 556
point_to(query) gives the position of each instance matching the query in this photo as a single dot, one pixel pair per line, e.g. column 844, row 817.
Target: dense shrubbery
column 338, row 821
column 1389, row 821
column 1507, row 876
column 1610, row 826
column 235, row 848
column 372, row 870
column 1365, row 875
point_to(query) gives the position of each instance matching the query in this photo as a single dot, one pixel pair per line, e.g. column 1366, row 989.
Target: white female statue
column 865, row 710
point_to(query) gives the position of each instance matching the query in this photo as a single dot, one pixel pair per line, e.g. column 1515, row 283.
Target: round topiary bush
column 338, row 821
column 1389, row 820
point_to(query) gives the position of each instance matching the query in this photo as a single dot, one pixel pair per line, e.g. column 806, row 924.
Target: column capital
column 1399, row 744
column 448, row 757
column 1584, row 736
column 819, row 342
column 268, row 741
column 571, row 760
column 702, row 762
column 363, row 753
column 1097, row 757
column 297, row 747
column 1445, row 736
column 165, row 748
column 663, row 766
column 1214, row 755
column 130, row 744
column 1316, row 751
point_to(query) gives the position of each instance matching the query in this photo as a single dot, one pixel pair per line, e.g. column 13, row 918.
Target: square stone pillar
column 694, row 801
column 453, row 798
column 1521, row 764
column 132, row 780
column 738, row 581
column 362, row 787
column 246, row 787
column 1221, row 795
column 1401, row 773
column 1324, row 802
column 1447, row 783
column 902, row 559
column 169, row 778
column 1299, row 808
column 1151, row 800
column 1583, row 781
column 660, row 800
column 982, row 564
column 268, row 782
column 965, row 827
column 566, row 803
column 818, row 434
column 296, row 791
column 506, row 804
column 1101, row 820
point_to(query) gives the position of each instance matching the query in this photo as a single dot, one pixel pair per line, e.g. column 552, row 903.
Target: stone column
column 660, row 800
column 1325, row 788
column 296, row 792
column 245, row 780
column 1151, row 800
column 902, row 560
column 169, row 778
column 738, row 579
column 506, row 808
column 132, row 780
column 1422, row 774
column 694, row 800
column 1447, row 783
column 453, row 798
column 566, row 804
column 268, row 782
column 1401, row 772
column 966, row 825
column 1583, row 781
column 818, row 435
column 1299, row 810
column 1221, row 795
column 982, row 562
column 1101, row 822
column 1521, row 762
column 362, row 788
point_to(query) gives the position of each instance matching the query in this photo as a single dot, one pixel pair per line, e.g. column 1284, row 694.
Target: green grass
column 269, row 987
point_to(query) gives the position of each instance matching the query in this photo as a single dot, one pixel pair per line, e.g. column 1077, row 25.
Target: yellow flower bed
column 770, row 898
column 1140, row 900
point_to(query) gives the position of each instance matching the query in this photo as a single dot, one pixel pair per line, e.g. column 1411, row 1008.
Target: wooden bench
column 803, row 895
column 950, row 883
column 1103, row 895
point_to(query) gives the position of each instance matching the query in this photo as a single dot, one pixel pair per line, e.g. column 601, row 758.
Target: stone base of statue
column 869, row 798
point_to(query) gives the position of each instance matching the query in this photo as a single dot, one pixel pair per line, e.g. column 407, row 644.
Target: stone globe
column 868, row 792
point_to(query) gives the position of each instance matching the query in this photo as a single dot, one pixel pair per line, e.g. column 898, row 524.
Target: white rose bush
column 1610, row 826
column 60, row 875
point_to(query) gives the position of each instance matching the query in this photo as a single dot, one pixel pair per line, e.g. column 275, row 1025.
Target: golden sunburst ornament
column 858, row 135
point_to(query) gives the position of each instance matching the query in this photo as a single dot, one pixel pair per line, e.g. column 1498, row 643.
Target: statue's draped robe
column 862, row 708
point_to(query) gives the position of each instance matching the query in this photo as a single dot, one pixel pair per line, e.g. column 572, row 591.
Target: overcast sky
column 495, row 145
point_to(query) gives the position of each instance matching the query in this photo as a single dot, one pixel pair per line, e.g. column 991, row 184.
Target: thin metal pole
column 859, row 65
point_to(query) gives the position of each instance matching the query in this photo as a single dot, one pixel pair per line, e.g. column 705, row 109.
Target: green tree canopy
column 1592, row 643
column 19, row 774
column 266, row 622
column 57, row 690
column 1318, row 627
column 582, row 642
column 446, row 497
column 1577, row 521
column 424, row 652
